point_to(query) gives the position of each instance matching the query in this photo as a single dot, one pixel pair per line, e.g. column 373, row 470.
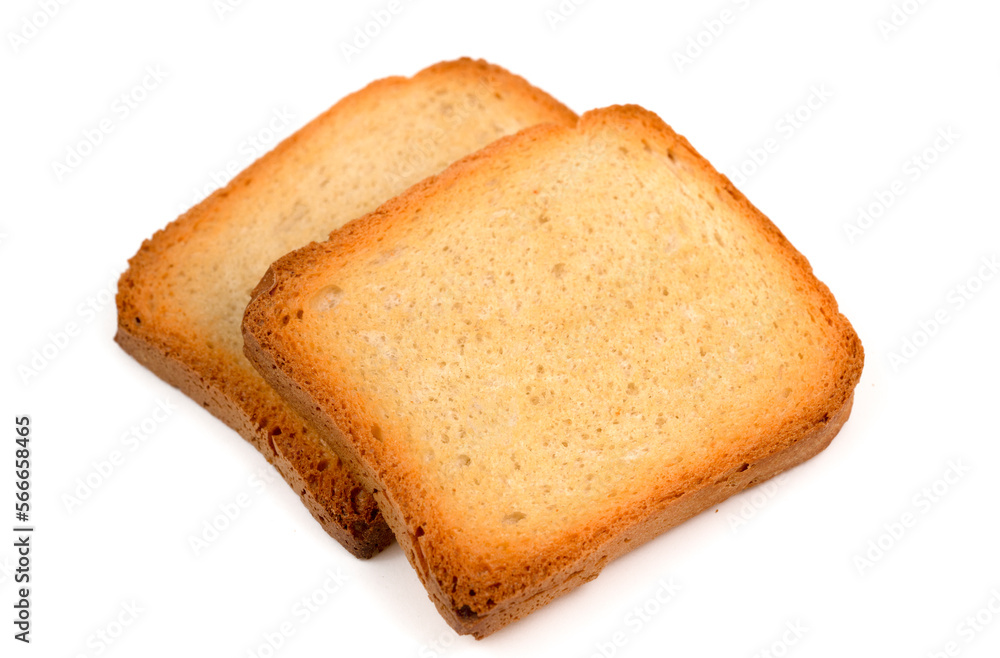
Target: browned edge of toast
column 791, row 446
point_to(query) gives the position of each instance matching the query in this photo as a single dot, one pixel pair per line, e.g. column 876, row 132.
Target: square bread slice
column 554, row 351
column 181, row 301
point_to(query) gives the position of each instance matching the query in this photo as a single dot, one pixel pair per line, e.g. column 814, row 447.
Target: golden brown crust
column 159, row 333
column 473, row 594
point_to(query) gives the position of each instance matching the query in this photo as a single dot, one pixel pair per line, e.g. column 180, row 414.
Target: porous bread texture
column 181, row 301
column 555, row 350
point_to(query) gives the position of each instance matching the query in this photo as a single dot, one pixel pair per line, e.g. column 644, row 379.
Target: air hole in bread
column 465, row 613
column 513, row 518
column 377, row 432
column 322, row 465
column 361, row 500
column 327, row 298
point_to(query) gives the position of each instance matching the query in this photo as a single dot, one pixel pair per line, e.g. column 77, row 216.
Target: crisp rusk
column 554, row 351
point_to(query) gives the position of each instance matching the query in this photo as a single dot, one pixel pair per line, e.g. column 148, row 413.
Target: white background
column 795, row 562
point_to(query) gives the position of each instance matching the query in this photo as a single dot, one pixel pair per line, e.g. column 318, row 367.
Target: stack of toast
column 519, row 341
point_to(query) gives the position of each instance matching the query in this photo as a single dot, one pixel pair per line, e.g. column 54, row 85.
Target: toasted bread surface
column 181, row 301
column 553, row 351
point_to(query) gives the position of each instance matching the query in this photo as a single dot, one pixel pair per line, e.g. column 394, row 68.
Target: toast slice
column 554, row 351
column 181, row 301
